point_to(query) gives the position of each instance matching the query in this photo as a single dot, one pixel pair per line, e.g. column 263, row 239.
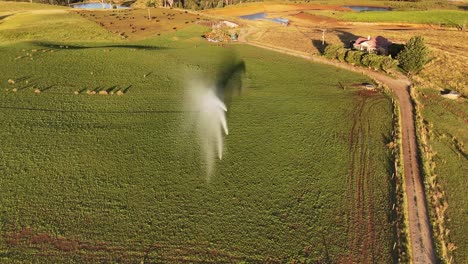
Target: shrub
column 365, row 60
column 388, row 63
column 375, row 61
column 341, row 54
column 415, row 55
column 331, row 50
column 360, row 58
column 354, row 57
column 150, row 3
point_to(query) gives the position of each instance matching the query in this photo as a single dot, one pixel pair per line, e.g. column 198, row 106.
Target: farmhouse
column 378, row 44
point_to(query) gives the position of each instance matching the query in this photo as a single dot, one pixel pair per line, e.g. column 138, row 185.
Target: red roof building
column 378, row 44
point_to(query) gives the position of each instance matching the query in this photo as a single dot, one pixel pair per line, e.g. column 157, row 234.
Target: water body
column 262, row 16
column 98, row 6
column 367, row 8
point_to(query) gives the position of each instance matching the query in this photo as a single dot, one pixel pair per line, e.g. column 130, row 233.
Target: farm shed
column 451, row 95
column 225, row 23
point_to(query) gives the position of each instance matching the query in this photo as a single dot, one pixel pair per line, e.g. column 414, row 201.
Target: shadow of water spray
column 208, row 97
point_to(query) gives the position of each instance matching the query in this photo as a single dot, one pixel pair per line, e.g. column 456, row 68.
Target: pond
column 262, row 16
column 368, row 8
column 98, row 6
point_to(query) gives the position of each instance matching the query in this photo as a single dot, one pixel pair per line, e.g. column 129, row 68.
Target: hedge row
column 360, row 58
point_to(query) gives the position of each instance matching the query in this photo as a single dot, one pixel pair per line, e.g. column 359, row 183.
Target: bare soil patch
column 134, row 24
column 55, row 248
column 246, row 9
column 311, row 18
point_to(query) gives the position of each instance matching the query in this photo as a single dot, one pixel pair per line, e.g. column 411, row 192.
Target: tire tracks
column 361, row 228
column 420, row 238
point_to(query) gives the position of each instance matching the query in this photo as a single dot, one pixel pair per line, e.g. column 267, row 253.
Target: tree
column 331, row 51
column 103, row 3
column 388, row 63
column 149, row 4
column 415, row 55
column 354, row 57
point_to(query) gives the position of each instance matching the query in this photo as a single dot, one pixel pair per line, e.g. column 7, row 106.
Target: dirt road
column 422, row 246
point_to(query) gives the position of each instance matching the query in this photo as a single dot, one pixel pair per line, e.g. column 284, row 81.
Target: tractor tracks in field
column 357, row 207
column 363, row 241
column 420, row 233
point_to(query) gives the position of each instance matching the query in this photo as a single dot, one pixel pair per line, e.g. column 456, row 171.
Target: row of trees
column 360, row 58
column 411, row 57
column 188, row 4
column 198, row 4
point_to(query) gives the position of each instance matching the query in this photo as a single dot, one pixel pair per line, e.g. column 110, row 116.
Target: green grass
column 52, row 24
column 448, row 17
column 448, row 119
column 14, row 7
column 398, row 5
column 119, row 178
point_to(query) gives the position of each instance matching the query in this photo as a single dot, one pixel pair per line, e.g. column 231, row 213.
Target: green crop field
column 23, row 21
column 306, row 174
column 437, row 17
column 447, row 121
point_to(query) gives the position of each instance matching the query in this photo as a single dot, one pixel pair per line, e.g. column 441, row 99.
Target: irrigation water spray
column 208, row 99
column 208, row 114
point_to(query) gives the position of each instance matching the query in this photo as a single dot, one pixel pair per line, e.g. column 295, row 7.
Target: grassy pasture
column 399, row 5
column 436, row 17
column 89, row 178
column 447, row 121
column 54, row 24
column 14, row 7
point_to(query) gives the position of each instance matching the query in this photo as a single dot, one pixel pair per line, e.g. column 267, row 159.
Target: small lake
column 262, row 16
column 368, row 8
column 97, row 6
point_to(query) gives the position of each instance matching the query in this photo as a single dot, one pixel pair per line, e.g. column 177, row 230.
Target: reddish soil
column 54, row 248
column 134, row 23
column 267, row 7
column 355, row 192
column 47, row 245
column 314, row 18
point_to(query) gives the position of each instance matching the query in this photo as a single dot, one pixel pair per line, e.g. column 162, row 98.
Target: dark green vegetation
column 360, row 58
column 445, row 130
column 89, row 178
column 411, row 57
column 414, row 56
